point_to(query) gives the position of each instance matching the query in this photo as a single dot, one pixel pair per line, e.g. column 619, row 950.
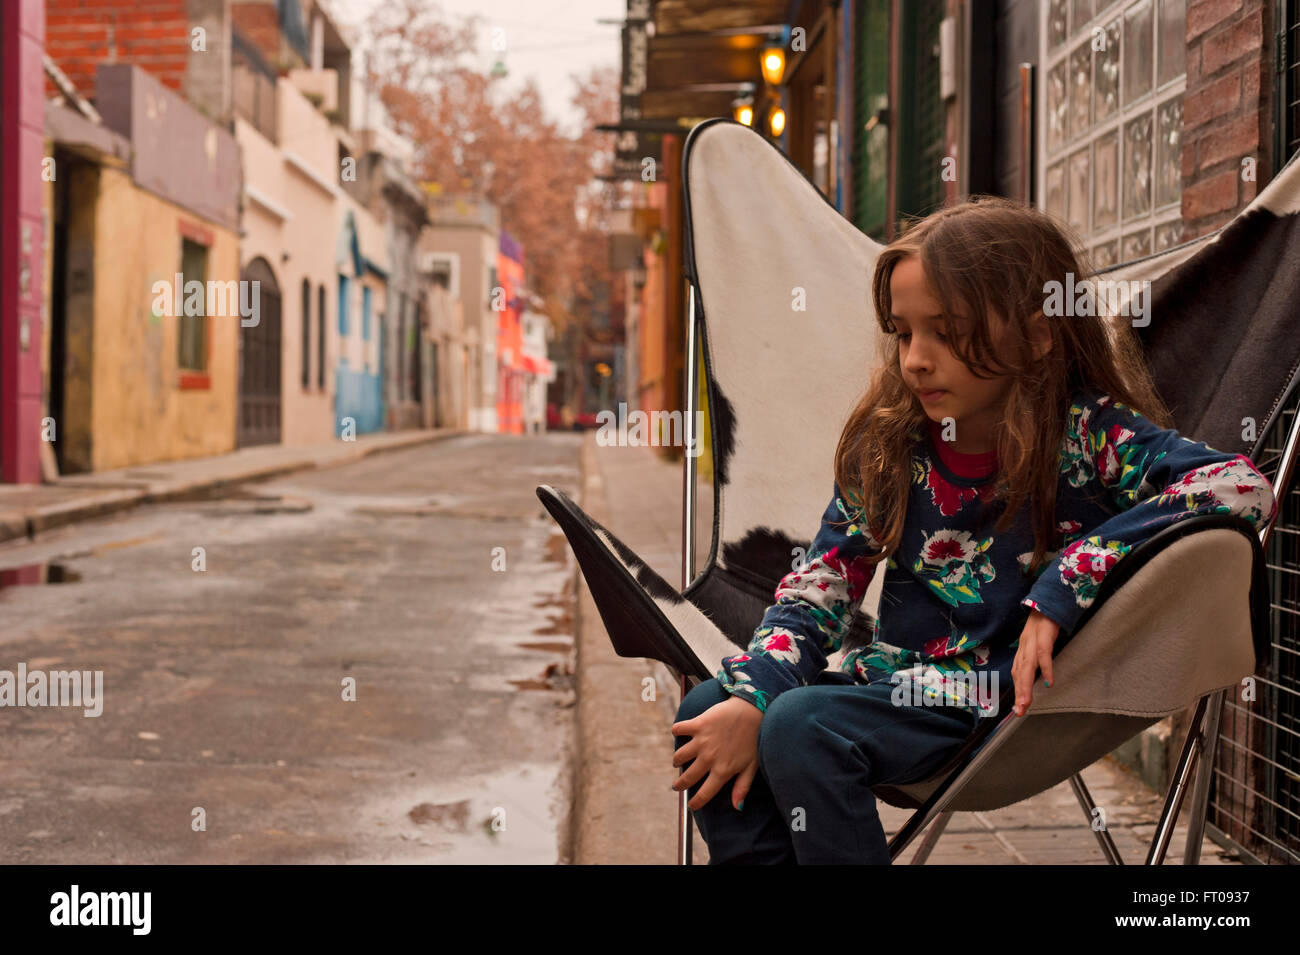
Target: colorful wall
column 508, row 305
column 361, row 302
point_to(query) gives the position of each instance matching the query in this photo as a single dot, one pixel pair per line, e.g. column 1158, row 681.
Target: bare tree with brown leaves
column 472, row 137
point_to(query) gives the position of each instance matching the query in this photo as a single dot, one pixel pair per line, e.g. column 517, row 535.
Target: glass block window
column 1111, row 115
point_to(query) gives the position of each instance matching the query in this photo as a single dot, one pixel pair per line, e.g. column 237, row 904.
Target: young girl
column 1003, row 459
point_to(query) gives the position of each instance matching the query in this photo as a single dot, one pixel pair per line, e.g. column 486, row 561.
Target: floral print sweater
column 956, row 594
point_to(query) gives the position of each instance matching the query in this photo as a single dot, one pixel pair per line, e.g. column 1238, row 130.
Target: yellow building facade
column 143, row 303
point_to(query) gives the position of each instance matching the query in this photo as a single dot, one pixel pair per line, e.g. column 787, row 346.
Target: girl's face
column 944, row 385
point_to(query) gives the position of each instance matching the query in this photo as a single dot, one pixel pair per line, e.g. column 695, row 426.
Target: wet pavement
column 428, row 582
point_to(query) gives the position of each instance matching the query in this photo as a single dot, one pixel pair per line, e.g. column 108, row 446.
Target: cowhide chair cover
column 1185, row 618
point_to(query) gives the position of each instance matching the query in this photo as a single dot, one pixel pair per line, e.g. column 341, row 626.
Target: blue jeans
column 820, row 750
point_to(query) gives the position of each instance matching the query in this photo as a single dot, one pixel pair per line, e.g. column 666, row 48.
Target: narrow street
column 225, row 734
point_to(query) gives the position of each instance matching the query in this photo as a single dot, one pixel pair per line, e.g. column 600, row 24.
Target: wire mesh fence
column 1255, row 800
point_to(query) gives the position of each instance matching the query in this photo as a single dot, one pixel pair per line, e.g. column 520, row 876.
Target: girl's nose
column 918, row 359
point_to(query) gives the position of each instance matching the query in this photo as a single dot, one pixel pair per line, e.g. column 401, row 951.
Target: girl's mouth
column 929, row 396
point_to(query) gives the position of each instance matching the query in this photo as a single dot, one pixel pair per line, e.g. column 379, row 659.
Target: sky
column 545, row 39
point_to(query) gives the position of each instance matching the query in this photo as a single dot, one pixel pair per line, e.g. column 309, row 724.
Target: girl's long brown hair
column 983, row 258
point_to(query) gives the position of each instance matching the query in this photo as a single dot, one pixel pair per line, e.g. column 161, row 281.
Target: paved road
column 223, row 688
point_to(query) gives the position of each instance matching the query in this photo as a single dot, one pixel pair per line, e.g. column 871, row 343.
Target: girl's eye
column 902, row 337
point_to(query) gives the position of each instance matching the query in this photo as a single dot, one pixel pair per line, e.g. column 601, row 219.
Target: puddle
column 551, row 646
column 568, row 470
column 438, row 504
column 409, row 510
column 246, row 492
column 46, row 573
column 56, row 572
column 516, row 815
column 556, row 676
column 560, row 624
column 240, row 501
column 118, row 545
column 557, row 548
column 434, row 510
column 451, row 816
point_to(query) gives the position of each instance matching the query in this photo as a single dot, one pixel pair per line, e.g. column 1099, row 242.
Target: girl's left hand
column 1035, row 650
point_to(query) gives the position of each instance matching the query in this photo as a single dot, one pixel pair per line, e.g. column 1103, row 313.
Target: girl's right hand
column 724, row 743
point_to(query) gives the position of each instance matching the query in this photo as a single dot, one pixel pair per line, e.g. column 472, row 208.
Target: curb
column 19, row 524
column 51, row 516
column 13, row 524
column 623, row 812
column 1146, row 754
column 198, row 490
column 584, row 610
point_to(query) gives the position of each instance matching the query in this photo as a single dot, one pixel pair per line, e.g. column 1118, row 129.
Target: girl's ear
column 1039, row 334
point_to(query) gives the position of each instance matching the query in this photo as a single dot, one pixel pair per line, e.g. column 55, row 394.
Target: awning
column 685, row 61
column 702, row 55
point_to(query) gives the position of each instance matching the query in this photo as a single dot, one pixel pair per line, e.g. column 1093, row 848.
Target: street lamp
column 743, row 109
column 776, row 122
column 773, row 64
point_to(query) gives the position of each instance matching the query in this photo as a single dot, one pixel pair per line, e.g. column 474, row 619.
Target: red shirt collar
column 960, row 464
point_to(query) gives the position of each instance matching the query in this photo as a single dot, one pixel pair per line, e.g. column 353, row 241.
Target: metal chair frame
column 1195, row 762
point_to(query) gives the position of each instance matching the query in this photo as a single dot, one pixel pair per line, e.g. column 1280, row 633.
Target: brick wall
column 1227, row 110
column 258, row 22
column 1227, row 117
column 153, row 34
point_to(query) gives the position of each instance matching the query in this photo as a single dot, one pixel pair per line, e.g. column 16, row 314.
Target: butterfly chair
column 1178, row 622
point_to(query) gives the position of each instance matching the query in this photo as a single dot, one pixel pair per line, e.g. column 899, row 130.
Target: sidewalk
column 625, row 811
column 30, row 509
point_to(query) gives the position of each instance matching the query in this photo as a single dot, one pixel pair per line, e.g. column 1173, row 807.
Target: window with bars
column 400, row 357
column 306, row 334
column 192, row 340
column 921, row 115
column 1112, row 97
column 320, row 337
column 870, row 180
column 345, row 304
column 365, row 315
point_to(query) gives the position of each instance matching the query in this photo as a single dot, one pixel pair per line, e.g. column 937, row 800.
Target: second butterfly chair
column 1182, row 618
